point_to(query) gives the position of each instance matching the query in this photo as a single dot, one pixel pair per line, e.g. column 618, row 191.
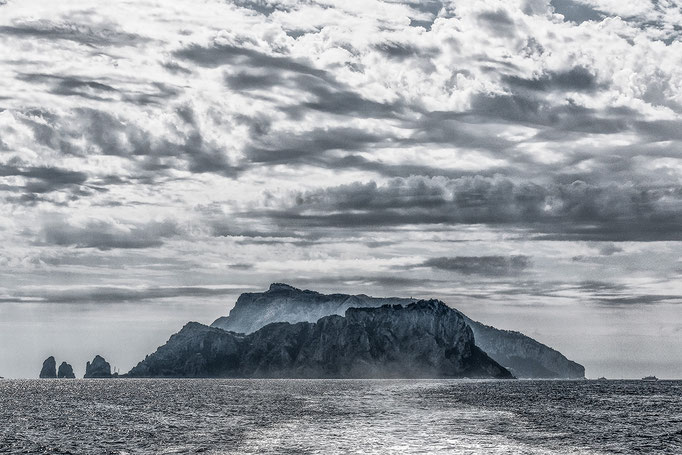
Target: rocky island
column 98, row 369
column 65, row 371
column 424, row 339
column 520, row 354
column 49, row 369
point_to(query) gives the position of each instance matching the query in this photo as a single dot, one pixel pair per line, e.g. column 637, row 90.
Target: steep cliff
column 196, row 351
column 65, row 371
column 99, row 368
column 425, row 339
column 49, row 369
column 522, row 355
column 284, row 303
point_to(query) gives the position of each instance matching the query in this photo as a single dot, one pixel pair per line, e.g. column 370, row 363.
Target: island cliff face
column 425, row 339
column 522, row 355
column 284, row 303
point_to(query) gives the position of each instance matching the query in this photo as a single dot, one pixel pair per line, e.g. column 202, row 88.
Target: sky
column 518, row 159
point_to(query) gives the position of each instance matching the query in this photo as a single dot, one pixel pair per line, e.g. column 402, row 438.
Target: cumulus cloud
column 42, row 179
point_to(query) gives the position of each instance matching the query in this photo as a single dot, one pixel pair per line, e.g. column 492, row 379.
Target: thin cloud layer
column 482, row 265
column 105, row 236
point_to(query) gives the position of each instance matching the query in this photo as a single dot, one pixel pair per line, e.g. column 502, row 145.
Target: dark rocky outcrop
column 425, row 339
column 522, row 355
column 99, row 368
column 49, row 370
column 65, row 371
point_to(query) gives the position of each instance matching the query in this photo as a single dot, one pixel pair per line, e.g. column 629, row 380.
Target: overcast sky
column 519, row 159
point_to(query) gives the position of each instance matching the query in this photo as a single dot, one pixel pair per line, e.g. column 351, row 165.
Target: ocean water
column 126, row 416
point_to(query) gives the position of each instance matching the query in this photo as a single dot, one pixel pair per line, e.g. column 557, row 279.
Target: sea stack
column 99, row 368
column 49, row 370
column 65, row 371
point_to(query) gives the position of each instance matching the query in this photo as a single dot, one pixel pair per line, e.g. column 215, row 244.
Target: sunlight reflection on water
column 339, row 417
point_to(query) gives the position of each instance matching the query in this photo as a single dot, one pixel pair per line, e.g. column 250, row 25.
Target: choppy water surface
column 128, row 416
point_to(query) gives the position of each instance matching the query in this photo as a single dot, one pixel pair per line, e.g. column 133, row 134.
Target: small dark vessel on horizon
column 650, row 379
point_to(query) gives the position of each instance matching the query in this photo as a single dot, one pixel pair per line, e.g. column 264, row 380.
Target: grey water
column 222, row 416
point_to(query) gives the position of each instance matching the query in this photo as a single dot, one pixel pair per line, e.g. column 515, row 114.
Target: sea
column 225, row 416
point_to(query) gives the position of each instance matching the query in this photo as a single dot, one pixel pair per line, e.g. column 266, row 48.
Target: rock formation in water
column 522, row 355
column 49, row 370
column 65, row 371
column 99, row 368
column 424, row 339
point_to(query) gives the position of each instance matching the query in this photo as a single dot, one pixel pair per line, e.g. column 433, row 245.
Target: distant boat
column 602, row 379
column 650, row 379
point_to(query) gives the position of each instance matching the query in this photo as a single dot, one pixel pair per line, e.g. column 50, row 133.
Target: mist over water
column 339, row 416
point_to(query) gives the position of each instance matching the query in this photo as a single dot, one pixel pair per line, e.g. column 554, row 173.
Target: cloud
column 103, row 35
column 235, row 54
column 339, row 101
column 577, row 210
column 355, row 281
column 576, row 11
column 498, row 22
column 73, row 86
column 242, row 266
column 113, row 294
column 41, row 179
column 253, row 80
column 429, row 10
column 575, row 79
column 397, row 50
column 528, row 110
column 267, row 71
column 88, row 131
column 105, row 235
column 492, row 266
column 610, row 250
column 310, row 147
column 265, row 7
column 648, row 299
